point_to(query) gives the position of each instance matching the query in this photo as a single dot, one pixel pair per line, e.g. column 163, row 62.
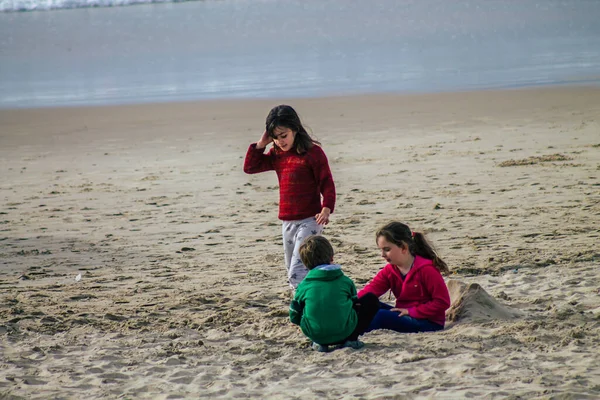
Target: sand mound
column 472, row 303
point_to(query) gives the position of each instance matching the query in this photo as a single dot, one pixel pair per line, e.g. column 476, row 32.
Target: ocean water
column 79, row 52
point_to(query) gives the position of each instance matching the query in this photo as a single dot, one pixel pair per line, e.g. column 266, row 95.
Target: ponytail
column 399, row 234
column 424, row 249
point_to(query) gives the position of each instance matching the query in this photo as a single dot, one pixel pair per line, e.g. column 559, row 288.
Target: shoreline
column 591, row 84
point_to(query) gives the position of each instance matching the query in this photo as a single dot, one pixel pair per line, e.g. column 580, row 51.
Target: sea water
column 84, row 52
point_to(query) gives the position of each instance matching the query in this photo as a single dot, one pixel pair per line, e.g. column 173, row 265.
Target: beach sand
column 182, row 290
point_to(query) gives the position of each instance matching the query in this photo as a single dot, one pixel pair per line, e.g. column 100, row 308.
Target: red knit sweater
column 303, row 178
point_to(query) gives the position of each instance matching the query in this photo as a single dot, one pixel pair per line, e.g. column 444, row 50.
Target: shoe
column 326, row 348
column 354, row 344
column 320, row 348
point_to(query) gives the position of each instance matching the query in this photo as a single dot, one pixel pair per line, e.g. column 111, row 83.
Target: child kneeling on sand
column 326, row 305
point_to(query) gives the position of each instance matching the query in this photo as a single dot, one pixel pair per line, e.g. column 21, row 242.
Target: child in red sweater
column 414, row 275
column 306, row 188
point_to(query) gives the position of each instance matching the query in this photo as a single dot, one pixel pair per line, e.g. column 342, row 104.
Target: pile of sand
column 470, row 302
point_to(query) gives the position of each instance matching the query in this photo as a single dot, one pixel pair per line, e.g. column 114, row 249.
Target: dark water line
column 247, row 48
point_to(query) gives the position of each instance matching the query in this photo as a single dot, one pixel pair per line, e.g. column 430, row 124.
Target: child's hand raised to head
column 323, row 216
column 265, row 139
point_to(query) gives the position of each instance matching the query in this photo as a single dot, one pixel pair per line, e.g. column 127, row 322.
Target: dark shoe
column 320, row 348
column 326, row 348
column 354, row 344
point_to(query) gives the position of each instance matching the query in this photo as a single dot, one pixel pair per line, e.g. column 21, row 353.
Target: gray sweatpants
column 294, row 232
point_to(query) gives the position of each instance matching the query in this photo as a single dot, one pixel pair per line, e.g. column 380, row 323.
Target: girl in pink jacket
column 414, row 275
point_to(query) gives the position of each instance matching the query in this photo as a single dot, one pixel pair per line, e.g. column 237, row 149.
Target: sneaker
column 320, row 348
column 326, row 348
column 354, row 344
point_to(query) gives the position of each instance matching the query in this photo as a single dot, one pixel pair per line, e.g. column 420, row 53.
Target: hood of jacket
column 326, row 272
column 418, row 264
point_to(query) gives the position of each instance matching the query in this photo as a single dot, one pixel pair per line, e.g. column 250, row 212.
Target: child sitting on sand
column 326, row 305
column 414, row 275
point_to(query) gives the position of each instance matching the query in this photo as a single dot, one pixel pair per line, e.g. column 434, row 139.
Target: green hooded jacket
column 323, row 305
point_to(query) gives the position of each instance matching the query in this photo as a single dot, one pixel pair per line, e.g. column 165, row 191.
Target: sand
column 182, row 290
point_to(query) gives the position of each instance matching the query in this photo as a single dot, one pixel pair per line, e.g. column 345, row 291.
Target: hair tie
column 412, row 234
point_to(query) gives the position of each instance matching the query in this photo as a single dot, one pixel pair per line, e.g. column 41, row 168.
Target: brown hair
column 286, row 117
column 399, row 234
column 315, row 251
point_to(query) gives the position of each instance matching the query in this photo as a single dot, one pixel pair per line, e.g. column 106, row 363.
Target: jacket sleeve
column 324, row 178
column 434, row 283
column 296, row 309
column 256, row 161
column 352, row 287
column 378, row 285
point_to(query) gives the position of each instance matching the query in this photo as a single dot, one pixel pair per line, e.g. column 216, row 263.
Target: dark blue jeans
column 386, row 319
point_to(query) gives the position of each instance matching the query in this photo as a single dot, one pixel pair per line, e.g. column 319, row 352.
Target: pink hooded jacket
column 423, row 291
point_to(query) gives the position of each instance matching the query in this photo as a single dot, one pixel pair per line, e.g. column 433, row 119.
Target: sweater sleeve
column 378, row 285
column 256, row 161
column 324, row 178
column 440, row 298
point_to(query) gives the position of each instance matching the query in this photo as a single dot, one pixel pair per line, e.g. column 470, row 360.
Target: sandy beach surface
column 137, row 260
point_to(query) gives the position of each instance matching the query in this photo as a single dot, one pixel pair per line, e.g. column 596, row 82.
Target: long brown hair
column 286, row 117
column 399, row 234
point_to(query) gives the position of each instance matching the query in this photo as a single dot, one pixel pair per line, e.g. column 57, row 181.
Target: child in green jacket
column 325, row 305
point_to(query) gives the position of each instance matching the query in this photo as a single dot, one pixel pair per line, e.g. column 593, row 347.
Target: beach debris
column 187, row 249
column 114, row 317
column 360, row 249
column 78, row 277
column 364, row 202
column 535, row 160
column 502, row 295
column 84, row 296
column 255, row 304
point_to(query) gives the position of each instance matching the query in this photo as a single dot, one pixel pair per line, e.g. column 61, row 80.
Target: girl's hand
column 323, row 216
column 265, row 139
column 402, row 311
